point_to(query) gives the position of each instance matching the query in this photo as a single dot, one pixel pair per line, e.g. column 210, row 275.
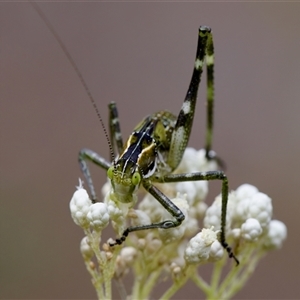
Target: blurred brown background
column 141, row 56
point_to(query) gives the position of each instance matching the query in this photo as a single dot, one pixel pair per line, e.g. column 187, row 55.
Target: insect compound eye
column 136, row 178
column 110, row 172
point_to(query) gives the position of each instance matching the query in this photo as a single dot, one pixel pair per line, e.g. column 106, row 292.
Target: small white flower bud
column 200, row 209
column 128, row 254
column 187, row 163
column 216, row 251
column 213, row 216
column 191, row 227
column 251, row 229
column 140, row 218
column 124, row 260
column 195, row 190
column 245, row 191
column 201, row 188
column 85, row 249
column 108, row 255
column 260, row 208
column 153, row 245
column 152, row 208
column 171, row 234
column 117, row 212
column 213, row 213
column 187, row 188
column 141, row 244
column 241, row 209
column 277, row 233
column 98, row 216
column 235, row 233
column 79, row 207
column 175, row 269
column 203, row 164
column 199, row 247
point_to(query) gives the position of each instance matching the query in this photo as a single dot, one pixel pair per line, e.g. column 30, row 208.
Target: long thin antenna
column 71, row 60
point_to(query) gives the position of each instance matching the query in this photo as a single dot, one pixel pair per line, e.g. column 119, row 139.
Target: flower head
column 177, row 251
column 203, row 246
column 79, row 206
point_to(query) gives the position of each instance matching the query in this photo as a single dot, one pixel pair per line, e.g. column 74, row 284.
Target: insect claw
column 120, row 240
column 212, row 155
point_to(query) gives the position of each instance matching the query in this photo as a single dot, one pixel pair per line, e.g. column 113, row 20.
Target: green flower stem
column 103, row 265
column 248, row 271
column 202, row 284
column 108, row 272
column 144, row 283
column 149, row 284
column 174, row 288
column 99, row 288
column 95, row 239
column 217, row 271
column 107, row 276
column 95, row 279
column 121, row 288
column 231, row 278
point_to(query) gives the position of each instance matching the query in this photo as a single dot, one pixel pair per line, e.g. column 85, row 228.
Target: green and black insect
column 156, row 146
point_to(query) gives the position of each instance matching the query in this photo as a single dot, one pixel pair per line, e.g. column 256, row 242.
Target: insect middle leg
column 166, row 203
column 90, row 155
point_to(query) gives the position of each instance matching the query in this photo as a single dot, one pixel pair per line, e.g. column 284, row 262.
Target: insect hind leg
column 183, row 127
column 210, row 99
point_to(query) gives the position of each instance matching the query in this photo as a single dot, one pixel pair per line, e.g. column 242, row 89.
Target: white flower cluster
column 249, row 217
column 85, row 214
column 249, row 229
column 204, row 247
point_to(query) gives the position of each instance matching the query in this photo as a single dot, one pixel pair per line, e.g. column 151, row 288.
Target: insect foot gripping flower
column 176, row 253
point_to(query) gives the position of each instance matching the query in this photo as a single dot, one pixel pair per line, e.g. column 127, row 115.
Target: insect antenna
column 75, row 67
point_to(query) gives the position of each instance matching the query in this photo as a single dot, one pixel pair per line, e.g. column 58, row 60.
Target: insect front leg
column 166, row 203
column 87, row 154
column 211, row 175
column 115, row 129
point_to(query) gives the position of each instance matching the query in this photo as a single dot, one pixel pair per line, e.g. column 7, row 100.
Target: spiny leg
column 185, row 118
column 87, row 154
column 166, row 203
column 115, row 129
column 211, row 175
